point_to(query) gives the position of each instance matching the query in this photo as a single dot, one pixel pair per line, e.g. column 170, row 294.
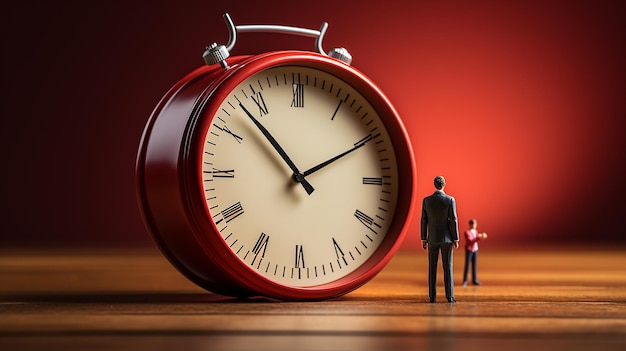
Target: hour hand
column 297, row 175
column 357, row 145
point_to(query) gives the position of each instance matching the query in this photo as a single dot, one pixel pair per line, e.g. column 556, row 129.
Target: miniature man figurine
column 439, row 232
column 471, row 250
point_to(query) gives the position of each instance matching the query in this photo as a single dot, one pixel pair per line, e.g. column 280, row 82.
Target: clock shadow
column 124, row 298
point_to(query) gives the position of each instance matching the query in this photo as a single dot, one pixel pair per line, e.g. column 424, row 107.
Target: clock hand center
column 357, row 145
column 297, row 175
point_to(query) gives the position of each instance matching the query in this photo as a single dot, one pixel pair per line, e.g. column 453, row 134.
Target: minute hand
column 359, row 144
column 297, row 175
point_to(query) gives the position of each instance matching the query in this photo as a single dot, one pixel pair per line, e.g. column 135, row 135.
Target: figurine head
column 473, row 223
column 440, row 182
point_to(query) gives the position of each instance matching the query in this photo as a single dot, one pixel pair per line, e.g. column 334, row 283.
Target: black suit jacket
column 439, row 223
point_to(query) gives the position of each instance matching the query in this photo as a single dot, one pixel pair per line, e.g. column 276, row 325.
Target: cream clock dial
column 299, row 175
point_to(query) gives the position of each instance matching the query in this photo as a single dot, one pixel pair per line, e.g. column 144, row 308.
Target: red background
column 519, row 104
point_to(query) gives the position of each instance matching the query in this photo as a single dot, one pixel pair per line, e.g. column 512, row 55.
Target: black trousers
column 446, row 258
column 470, row 258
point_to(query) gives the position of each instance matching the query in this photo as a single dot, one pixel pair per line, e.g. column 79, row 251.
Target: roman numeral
column 336, row 110
column 298, row 95
column 372, row 181
column 230, row 213
column 226, row 130
column 339, row 251
column 260, row 247
column 366, row 220
column 229, row 173
column 260, row 102
column 299, row 257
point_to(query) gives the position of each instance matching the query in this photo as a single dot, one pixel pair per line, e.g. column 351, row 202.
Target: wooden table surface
column 566, row 299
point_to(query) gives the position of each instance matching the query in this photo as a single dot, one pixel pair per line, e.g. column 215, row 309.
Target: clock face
column 299, row 175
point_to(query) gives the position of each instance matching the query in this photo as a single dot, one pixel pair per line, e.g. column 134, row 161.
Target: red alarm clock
column 287, row 174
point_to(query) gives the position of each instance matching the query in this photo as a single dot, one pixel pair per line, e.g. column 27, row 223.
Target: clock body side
column 161, row 188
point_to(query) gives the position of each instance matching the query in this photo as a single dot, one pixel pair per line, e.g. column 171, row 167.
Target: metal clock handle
column 215, row 53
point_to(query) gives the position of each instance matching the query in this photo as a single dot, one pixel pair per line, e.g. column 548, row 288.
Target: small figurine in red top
column 471, row 250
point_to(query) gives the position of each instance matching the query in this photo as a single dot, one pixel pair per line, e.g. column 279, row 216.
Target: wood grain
column 568, row 299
